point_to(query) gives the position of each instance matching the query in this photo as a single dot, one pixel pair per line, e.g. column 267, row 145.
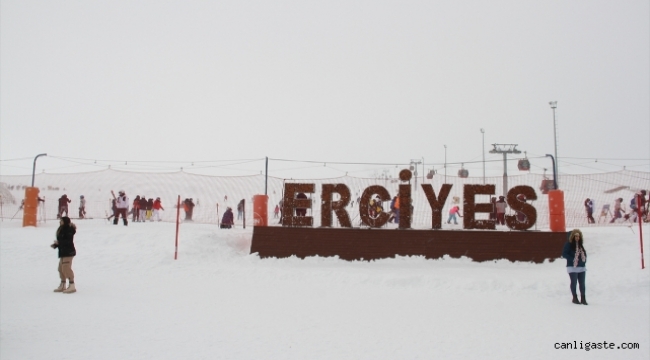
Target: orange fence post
column 30, row 209
column 260, row 210
column 557, row 221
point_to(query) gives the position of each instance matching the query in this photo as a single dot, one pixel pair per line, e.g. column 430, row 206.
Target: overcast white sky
column 332, row 81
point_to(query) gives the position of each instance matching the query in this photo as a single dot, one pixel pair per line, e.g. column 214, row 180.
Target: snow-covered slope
column 217, row 301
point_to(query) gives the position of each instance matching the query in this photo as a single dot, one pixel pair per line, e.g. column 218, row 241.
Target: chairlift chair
column 524, row 164
column 547, row 184
column 463, row 173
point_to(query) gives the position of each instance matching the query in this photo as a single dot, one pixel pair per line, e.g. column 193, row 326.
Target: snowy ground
column 217, row 301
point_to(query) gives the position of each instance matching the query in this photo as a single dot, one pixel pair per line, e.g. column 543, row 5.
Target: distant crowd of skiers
column 143, row 209
column 639, row 201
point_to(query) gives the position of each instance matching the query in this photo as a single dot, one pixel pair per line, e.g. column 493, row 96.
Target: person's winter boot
column 115, row 221
column 575, row 299
column 126, row 223
column 583, row 299
column 70, row 289
column 60, row 288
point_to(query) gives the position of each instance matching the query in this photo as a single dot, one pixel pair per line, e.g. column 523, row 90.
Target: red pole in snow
column 178, row 215
column 639, row 218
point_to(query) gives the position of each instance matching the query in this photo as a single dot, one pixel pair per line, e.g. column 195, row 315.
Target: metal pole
column 505, row 174
column 414, row 165
column 483, row 148
column 266, row 178
column 416, row 175
column 445, row 164
column 423, row 169
column 34, row 168
column 556, row 165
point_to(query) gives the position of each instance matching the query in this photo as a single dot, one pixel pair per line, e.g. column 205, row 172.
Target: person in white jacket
column 122, row 205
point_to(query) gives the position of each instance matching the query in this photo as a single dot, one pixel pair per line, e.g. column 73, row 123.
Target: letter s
column 521, row 206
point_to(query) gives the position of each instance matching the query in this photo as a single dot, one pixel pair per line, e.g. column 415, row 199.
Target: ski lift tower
column 414, row 168
column 505, row 149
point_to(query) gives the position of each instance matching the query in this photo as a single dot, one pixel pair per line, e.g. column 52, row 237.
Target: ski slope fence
column 213, row 194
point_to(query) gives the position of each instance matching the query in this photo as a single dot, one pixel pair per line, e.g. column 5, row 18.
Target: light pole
column 34, row 168
column 483, row 151
column 423, row 169
column 554, row 106
column 445, row 163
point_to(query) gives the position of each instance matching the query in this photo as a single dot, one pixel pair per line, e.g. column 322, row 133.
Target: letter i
column 405, row 200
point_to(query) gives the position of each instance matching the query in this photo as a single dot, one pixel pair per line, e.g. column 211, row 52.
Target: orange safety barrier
column 260, row 210
column 557, row 220
column 30, row 208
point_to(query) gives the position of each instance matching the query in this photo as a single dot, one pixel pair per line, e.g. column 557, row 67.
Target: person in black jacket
column 589, row 207
column 228, row 219
column 149, row 209
column 143, row 209
column 65, row 243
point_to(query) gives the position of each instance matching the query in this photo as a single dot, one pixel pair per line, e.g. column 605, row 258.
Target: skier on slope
column 122, row 205
column 63, row 206
column 82, row 207
column 157, row 206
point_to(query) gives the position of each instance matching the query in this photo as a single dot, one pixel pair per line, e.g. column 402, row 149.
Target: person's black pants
column 119, row 212
column 578, row 278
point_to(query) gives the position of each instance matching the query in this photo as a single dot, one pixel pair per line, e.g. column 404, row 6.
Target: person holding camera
column 65, row 243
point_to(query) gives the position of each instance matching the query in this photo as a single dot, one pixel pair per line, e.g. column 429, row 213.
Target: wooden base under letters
column 371, row 244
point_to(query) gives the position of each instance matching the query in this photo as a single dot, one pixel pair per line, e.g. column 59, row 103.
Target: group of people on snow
column 639, row 202
column 574, row 252
column 63, row 206
column 146, row 209
column 141, row 210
